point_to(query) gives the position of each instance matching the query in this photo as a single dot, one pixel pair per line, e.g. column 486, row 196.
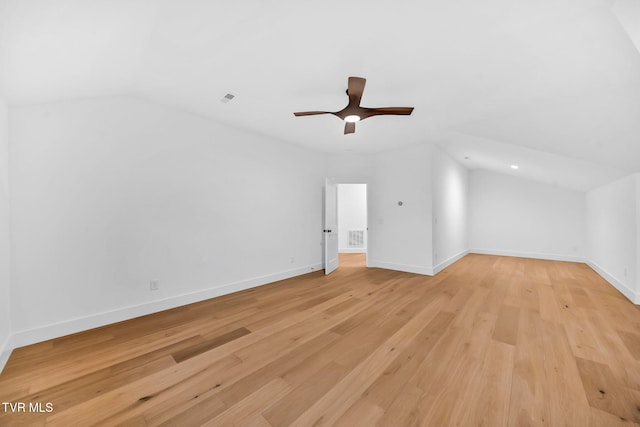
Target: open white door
column 330, row 226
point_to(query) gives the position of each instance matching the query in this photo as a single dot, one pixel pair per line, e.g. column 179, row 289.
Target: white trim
column 71, row 326
column 5, row 351
column 447, row 262
column 352, row 251
column 632, row 296
column 535, row 255
column 427, row 271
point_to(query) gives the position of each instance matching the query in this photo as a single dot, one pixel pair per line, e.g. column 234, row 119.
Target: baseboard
column 447, row 262
column 613, row 281
column 427, row 271
column 5, row 351
column 535, row 255
column 352, row 251
column 71, row 326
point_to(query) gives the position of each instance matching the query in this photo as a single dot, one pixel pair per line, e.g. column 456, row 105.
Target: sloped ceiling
column 519, row 80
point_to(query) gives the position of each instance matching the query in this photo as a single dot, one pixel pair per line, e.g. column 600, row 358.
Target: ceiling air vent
column 228, row 97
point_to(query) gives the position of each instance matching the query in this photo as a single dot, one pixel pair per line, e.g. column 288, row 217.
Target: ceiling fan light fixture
column 353, row 112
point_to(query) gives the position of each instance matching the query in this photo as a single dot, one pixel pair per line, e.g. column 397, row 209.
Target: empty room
column 356, row 213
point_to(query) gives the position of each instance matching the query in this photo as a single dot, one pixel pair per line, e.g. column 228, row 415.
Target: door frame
column 330, row 231
column 352, row 180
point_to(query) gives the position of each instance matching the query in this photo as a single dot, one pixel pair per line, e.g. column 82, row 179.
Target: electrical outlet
column 293, row 259
column 154, row 285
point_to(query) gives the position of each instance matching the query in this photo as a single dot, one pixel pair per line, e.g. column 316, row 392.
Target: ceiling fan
column 353, row 112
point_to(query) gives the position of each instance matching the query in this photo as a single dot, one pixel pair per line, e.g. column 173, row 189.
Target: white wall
column 352, row 215
column 450, row 210
column 112, row 193
column 400, row 237
column 636, row 300
column 612, row 233
column 5, row 290
column 513, row 216
column 351, row 168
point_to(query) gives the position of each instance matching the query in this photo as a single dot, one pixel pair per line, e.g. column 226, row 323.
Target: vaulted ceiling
column 553, row 85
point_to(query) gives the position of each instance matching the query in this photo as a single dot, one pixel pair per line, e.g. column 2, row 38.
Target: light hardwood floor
column 489, row 341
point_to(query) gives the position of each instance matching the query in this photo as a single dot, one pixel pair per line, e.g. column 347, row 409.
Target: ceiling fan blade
column 311, row 113
column 355, row 90
column 393, row 111
column 349, row 127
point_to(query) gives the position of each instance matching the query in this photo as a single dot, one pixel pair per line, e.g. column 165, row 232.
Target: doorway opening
column 352, row 225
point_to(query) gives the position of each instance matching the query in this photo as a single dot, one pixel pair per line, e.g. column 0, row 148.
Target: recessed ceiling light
column 352, row 119
column 514, row 166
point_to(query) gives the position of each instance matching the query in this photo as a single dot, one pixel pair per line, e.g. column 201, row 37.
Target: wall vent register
column 356, row 238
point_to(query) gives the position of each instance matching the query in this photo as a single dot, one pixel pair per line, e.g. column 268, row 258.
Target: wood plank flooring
column 490, row 341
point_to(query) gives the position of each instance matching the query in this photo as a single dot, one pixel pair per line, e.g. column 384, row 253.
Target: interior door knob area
column 330, row 223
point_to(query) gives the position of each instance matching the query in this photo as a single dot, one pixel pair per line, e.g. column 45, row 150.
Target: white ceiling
column 551, row 84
